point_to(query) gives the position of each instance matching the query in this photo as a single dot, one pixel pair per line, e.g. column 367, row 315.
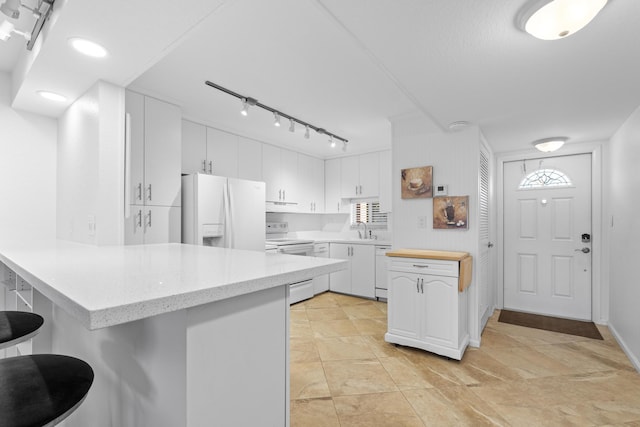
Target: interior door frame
column 600, row 259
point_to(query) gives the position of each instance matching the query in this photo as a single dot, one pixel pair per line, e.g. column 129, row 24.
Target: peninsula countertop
column 103, row 286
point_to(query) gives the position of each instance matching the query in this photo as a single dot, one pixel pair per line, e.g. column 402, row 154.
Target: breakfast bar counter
column 178, row 335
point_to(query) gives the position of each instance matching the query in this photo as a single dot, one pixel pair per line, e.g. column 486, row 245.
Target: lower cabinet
column 153, row 224
column 359, row 278
column 425, row 309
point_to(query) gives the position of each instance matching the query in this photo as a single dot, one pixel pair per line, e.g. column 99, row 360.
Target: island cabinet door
column 439, row 323
column 404, row 304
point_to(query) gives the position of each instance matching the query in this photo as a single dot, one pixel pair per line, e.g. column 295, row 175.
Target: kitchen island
column 178, row 335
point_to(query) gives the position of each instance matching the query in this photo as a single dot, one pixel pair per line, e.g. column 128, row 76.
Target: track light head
column 344, row 146
column 245, row 107
column 11, row 8
column 306, row 132
column 332, row 143
column 7, row 29
column 276, row 119
column 292, row 125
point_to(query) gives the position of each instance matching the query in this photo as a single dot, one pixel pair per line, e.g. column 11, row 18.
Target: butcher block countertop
column 465, row 260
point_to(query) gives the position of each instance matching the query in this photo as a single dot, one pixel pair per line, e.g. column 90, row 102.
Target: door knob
column 583, row 250
column 490, row 244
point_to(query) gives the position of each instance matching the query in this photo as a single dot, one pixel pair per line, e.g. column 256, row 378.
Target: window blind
column 369, row 213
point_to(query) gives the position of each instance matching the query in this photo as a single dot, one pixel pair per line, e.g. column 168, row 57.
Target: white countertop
column 103, row 286
column 354, row 241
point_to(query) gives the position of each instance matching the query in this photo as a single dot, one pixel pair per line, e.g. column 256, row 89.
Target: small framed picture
column 417, row 182
column 451, row 212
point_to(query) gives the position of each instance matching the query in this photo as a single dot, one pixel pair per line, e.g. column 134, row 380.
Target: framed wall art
column 451, row 212
column 417, row 182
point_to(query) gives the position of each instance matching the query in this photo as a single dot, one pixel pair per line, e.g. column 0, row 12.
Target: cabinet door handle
column 204, row 166
column 284, row 197
column 422, row 285
column 338, row 206
column 360, row 189
column 279, row 194
column 137, row 223
column 418, row 285
column 420, row 266
column 211, row 167
column 149, row 222
column 149, row 193
column 139, row 191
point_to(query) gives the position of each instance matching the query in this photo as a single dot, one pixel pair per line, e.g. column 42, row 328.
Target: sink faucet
column 365, row 229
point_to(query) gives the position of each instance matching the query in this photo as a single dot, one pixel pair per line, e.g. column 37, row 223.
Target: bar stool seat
column 18, row 326
column 41, row 389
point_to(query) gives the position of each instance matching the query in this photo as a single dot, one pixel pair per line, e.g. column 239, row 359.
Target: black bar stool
column 18, row 326
column 41, row 389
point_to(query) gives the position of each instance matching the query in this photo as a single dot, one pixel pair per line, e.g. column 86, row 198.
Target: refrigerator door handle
column 127, row 165
column 228, row 216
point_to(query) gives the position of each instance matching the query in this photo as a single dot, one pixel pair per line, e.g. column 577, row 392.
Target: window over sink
column 368, row 213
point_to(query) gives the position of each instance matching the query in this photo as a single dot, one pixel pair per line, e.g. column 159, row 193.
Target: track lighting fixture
column 248, row 102
column 11, row 8
column 7, row 29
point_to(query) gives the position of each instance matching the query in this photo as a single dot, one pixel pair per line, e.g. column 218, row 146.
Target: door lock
column 583, row 250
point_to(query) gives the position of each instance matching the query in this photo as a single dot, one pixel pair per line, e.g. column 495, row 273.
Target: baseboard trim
column 632, row 358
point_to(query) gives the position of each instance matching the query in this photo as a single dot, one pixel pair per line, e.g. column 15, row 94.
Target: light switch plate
column 442, row 190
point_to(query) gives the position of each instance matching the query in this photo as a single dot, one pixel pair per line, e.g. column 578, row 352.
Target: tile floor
column 343, row 373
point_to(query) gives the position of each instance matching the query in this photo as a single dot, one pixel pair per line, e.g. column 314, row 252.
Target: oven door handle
column 293, row 249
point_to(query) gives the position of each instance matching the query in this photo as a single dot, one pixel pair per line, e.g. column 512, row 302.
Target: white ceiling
column 349, row 66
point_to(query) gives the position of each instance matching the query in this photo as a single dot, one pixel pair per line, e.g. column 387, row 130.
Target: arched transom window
column 545, row 178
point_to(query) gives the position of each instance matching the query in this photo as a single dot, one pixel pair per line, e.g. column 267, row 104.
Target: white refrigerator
column 223, row 212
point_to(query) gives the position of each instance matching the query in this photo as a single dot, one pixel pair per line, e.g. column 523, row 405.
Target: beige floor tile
column 300, row 329
column 530, row 363
column 324, row 300
column 344, row 348
column 333, row 328
column 308, row 380
column 483, row 368
column 404, row 373
column 493, row 338
column 344, row 300
column 452, row 406
column 380, row 347
column 326, row 313
column 578, row 360
column 361, row 376
column 364, row 311
column 298, row 315
column 380, row 409
column 303, row 350
column 314, row 413
column 376, row 327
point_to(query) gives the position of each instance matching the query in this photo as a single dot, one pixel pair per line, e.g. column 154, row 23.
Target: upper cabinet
column 280, row 173
column 249, row 159
column 222, row 153
column 209, row 150
column 310, row 184
column 154, row 158
column 360, row 176
column 332, row 190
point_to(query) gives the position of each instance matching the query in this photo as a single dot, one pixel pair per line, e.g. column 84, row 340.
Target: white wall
column 455, row 160
column 27, row 171
column 624, row 206
column 90, row 167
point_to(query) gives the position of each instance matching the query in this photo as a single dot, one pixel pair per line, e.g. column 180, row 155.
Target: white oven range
column 276, row 236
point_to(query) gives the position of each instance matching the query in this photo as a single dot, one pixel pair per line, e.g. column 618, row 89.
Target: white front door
column 545, row 268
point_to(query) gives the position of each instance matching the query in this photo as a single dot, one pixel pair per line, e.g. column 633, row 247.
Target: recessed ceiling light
column 458, row 125
column 87, row 47
column 556, row 19
column 52, row 96
column 548, row 145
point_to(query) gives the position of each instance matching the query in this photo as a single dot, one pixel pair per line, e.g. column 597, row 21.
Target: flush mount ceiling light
column 548, row 145
column 248, row 101
column 458, row 125
column 556, row 19
column 52, row 96
column 87, row 47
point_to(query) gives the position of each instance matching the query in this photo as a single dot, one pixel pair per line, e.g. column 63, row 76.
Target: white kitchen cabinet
column 359, row 278
column 249, row 159
column 155, row 163
column 194, row 148
column 280, row 173
column 385, row 178
column 332, row 190
column 425, row 307
column 154, row 224
column 310, row 184
column 222, row 153
column 360, row 176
